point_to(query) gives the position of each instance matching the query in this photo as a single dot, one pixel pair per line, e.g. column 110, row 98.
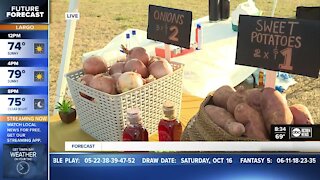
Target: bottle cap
column 134, row 32
column 168, row 109
column 168, row 106
column 128, row 36
column 134, row 115
column 199, row 26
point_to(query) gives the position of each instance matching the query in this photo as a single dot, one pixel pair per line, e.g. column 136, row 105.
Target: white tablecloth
column 206, row 69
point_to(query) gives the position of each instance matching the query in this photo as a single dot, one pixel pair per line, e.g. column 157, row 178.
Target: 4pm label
column 279, row 44
column 23, row 76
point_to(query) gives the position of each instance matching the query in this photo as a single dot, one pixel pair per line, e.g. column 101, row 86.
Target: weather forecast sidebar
column 24, row 89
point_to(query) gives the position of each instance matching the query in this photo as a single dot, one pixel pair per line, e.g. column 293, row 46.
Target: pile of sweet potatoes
column 250, row 113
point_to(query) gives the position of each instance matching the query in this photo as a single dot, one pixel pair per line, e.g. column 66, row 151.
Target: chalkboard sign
column 168, row 25
column 279, row 44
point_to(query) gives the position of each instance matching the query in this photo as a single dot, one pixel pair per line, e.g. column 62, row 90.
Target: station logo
column 301, row 132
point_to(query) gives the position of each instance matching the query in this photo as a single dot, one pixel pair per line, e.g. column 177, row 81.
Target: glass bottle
column 225, row 9
column 214, row 10
column 134, row 130
column 169, row 128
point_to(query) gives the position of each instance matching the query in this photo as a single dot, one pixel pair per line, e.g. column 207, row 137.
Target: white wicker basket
column 105, row 117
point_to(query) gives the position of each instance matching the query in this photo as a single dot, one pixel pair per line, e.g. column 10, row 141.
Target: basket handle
column 87, row 97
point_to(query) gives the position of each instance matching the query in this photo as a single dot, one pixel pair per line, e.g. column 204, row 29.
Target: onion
column 94, row 65
column 160, row 68
column 86, row 79
column 116, row 76
column 117, row 67
column 153, row 59
column 128, row 81
column 139, row 53
column 135, row 65
column 149, row 79
column 103, row 83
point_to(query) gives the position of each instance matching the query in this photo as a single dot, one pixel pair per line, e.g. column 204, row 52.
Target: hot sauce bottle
column 134, row 130
column 169, row 128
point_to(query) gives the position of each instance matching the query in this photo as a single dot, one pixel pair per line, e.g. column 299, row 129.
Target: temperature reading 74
column 16, row 101
column 16, row 73
column 17, row 45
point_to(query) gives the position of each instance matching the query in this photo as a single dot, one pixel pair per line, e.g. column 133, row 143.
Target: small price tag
column 279, row 44
column 168, row 25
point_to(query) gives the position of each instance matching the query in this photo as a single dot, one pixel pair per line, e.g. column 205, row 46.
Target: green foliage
column 64, row 107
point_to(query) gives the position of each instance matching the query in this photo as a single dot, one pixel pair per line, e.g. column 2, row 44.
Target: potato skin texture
column 221, row 96
column 274, row 108
column 235, row 99
column 253, row 98
column 225, row 120
column 252, row 120
column 301, row 114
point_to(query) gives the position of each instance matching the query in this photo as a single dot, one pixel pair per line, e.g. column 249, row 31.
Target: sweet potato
column 235, row 99
column 301, row 114
column 253, row 98
column 221, row 95
column 274, row 108
column 225, row 120
column 252, row 121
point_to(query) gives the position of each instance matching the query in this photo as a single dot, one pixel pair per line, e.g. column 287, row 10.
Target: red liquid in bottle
column 169, row 130
column 134, row 130
column 135, row 133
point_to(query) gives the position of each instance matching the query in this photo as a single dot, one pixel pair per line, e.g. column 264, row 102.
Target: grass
column 101, row 20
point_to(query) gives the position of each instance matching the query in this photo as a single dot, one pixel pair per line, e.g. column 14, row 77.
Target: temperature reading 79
column 17, row 45
column 16, row 73
column 16, row 101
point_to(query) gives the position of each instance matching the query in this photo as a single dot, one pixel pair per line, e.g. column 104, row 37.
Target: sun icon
column 39, row 76
column 39, row 49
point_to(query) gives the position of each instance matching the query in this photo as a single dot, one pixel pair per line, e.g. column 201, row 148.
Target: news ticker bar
column 291, row 166
column 89, row 146
column 149, row 159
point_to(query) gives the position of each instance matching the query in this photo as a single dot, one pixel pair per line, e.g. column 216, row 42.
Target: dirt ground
column 101, row 20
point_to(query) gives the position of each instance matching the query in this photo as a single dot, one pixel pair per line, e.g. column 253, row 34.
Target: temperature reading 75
column 17, row 45
column 16, row 101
